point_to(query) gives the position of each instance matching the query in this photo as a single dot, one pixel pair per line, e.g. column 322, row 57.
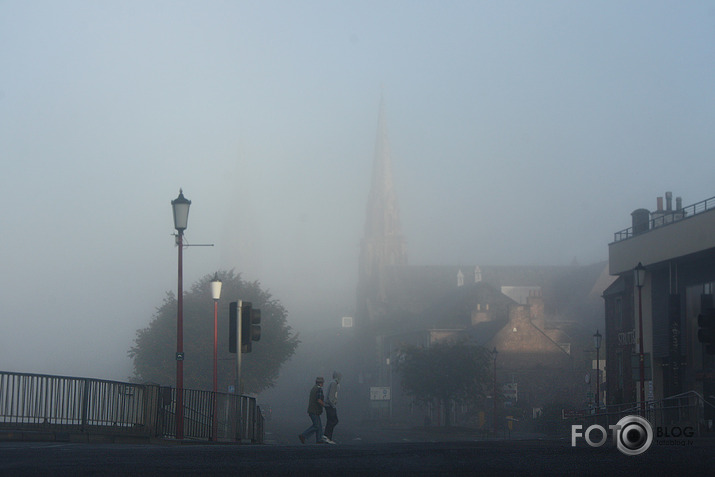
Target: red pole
column 180, row 348
column 598, row 379
column 213, row 433
column 640, row 352
column 215, row 346
column 495, row 393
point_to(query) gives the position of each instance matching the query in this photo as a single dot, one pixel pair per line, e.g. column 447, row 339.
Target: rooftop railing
column 663, row 218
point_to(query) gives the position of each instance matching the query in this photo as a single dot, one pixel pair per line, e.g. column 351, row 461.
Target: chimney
column 678, row 203
column 669, row 201
column 660, row 204
column 640, row 220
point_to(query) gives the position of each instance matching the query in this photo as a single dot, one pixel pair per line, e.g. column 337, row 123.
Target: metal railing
column 667, row 217
column 682, row 409
column 92, row 406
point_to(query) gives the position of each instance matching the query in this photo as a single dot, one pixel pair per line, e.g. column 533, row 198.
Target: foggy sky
column 521, row 133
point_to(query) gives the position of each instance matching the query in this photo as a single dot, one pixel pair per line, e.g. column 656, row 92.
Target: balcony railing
column 667, row 217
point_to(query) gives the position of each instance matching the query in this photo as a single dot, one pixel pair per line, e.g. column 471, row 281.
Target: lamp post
column 597, row 344
column 180, row 205
column 639, row 273
column 215, row 294
column 494, row 354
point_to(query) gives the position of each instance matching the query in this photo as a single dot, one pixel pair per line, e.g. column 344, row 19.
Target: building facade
column 675, row 246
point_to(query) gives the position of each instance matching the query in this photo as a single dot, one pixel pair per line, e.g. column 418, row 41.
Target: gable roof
column 455, row 308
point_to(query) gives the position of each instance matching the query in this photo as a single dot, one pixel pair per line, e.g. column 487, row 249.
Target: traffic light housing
column 250, row 326
column 232, row 326
column 706, row 329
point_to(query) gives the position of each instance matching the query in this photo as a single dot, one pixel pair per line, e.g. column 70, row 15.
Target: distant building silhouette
column 540, row 318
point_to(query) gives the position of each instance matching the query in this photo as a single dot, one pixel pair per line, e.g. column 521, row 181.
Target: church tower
column 383, row 244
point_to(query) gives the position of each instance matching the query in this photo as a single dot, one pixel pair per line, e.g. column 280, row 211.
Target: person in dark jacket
column 315, row 409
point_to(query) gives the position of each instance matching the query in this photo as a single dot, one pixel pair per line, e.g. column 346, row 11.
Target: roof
column 429, row 296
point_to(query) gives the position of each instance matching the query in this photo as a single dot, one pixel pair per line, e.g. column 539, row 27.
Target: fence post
column 85, row 404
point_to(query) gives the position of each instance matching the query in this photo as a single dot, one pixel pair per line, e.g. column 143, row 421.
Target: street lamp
column 597, row 344
column 180, row 205
column 494, row 354
column 215, row 294
column 639, row 273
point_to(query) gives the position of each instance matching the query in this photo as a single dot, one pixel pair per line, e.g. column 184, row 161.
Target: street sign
column 510, row 392
column 380, row 393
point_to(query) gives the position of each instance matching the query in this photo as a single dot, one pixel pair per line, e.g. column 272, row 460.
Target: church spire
column 383, row 220
column 383, row 243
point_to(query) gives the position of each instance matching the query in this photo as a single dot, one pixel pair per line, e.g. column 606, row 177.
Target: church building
column 538, row 321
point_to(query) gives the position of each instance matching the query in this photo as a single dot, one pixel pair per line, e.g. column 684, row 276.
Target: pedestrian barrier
column 93, row 407
column 687, row 409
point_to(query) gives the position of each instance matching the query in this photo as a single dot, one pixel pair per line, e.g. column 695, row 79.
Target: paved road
column 523, row 457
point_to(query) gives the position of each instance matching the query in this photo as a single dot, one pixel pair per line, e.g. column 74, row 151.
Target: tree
column 445, row 372
column 154, row 347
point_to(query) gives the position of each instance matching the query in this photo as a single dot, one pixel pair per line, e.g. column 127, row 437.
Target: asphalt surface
column 494, row 457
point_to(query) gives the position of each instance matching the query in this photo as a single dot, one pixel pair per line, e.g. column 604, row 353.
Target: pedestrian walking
column 315, row 409
column 331, row 407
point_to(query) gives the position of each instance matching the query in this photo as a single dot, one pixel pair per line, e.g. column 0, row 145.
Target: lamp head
column 216, row 287
column 639, row 272
column 180, row 205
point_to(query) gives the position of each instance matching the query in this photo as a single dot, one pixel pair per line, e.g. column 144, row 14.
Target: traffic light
column 250, row 326
column 246, row 308
column 256, row 324
column 706, row 329
column 232, row 326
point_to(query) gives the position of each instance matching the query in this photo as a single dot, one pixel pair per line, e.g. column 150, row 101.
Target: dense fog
column 520, row 132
